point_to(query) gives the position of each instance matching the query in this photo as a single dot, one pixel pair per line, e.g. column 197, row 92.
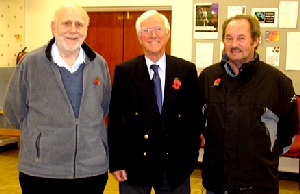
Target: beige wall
column 38, row 15
column 11, row 31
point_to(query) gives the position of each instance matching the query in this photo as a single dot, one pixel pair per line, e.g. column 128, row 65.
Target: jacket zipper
column 75, row 153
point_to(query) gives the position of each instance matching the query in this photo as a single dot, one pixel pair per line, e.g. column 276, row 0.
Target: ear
column 168, row 35
column 140, row 39
column 53, row 27
column 256, row 42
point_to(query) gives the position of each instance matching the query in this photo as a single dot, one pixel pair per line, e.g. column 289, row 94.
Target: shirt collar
column 61, row 63
column 228, row 68
column 161, row 63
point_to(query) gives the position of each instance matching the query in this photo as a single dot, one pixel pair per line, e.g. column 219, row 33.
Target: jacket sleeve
column 288, row 120
column 15, row 104
column 194, row 107
column 202, row 100
column 115, row 131
column 107, row 92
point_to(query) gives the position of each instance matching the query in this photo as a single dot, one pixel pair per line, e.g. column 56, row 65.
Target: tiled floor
column 9, row 178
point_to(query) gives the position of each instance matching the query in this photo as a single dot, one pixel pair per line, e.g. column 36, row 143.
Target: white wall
column 38, row 15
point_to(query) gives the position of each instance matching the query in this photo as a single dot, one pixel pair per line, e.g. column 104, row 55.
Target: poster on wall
column 235, row 10
column 272, row 35
column 288, row 14
column 204, row 54
column 272, row 55
column 267, row 17
column 292, row 51
column 206, row 21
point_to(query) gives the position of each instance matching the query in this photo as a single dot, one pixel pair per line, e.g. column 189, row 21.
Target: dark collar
column 245, row 67
column 88, row 51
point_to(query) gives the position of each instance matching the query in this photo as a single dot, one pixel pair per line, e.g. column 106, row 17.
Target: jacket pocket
column 37, row 146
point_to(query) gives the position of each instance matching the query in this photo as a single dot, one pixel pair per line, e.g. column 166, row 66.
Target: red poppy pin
column 177, row 83
column 217, row 82
column 97, row 81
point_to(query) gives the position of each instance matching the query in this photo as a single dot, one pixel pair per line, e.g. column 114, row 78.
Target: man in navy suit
column 152, row 146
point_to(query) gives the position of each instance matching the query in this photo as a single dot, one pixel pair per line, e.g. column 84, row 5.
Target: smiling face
column 69, row 28
column 238, row 43
column 153, row 37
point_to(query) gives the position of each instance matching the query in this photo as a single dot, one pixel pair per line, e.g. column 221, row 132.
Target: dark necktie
column 157, row 86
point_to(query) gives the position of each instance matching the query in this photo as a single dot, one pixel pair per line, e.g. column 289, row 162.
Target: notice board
column 279, row 32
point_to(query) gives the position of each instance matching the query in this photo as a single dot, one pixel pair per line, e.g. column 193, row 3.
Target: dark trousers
column 38, row 185
column 184, row 188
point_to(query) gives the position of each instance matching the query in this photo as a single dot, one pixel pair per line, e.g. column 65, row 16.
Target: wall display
column 272, row 35
column 288, row 14
column 205, row 53
column 286, row 40
column 235, row 10
column 206, row 21
column 292, row 51
column 267, row 17
column 272, row 55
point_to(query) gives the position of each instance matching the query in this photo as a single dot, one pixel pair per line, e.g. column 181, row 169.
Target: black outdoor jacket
column 250, row 120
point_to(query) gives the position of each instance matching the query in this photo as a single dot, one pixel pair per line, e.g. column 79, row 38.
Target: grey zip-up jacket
column 55, row 144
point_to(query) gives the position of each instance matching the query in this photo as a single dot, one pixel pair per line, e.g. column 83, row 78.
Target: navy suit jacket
column 141, row 140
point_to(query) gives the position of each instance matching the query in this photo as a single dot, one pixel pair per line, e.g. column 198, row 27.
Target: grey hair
column 148, row 14
column 62, row 8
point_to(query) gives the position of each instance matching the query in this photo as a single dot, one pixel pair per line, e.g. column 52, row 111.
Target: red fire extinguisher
column 21, row 54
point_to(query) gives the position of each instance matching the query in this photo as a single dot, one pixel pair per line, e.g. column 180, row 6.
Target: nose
column 234, row 42
column 73, row 27
column 153, row 33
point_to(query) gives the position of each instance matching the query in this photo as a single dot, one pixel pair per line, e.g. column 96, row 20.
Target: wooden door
column 113, row 35
column 105, row 36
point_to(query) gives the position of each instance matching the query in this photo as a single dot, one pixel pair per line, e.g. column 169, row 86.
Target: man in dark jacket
column 251, row 115
column 153, row 139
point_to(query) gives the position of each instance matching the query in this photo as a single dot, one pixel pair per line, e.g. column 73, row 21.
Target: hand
column 120, row 175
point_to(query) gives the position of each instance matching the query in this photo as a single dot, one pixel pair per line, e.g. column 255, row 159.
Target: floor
column 9, row 177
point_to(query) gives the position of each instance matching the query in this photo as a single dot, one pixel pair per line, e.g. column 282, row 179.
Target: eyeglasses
column 157, row 30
